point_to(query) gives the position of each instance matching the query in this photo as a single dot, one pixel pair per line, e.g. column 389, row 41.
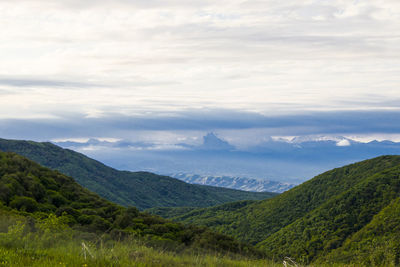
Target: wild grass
column 50, row 243
column 120, row 256
column 53, row 244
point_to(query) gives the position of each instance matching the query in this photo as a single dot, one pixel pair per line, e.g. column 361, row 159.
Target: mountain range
column 140, row 189
column 286, row 160
column 240, row 183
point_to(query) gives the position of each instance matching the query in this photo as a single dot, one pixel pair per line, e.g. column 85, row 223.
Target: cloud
column 163, row 56
column 26, row 82
column 170, row 127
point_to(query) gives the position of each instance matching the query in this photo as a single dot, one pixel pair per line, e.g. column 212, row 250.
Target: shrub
column 24, row 204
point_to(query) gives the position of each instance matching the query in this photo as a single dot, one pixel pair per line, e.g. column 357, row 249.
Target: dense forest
column 42, row 195
column 336, row 216
column 140, row 189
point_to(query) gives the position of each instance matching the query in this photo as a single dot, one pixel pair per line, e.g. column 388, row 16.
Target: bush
column 24, row 204
column 100, row 224
column 125, row 219
column 57, row 199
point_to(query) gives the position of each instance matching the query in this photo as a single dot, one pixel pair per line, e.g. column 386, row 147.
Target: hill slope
column 314, row 218
column 376, row 243
column 36, row 192
column 140, row 189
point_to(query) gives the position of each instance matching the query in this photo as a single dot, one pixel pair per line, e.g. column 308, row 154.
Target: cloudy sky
column 114, row 68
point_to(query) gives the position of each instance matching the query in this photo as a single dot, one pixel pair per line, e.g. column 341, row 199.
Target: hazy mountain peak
column 212, row 142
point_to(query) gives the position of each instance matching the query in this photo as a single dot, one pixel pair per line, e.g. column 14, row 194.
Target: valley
column 333, row 218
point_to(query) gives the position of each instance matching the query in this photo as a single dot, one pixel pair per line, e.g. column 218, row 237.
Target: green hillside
column 313, row 219
column 375, row 244
column 140, row 189
column 49, row 200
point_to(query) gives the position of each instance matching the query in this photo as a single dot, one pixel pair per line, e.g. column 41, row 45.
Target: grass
column 51, row 245
column 119, row 255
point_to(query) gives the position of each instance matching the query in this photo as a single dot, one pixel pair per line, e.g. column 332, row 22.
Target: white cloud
column 266, row 56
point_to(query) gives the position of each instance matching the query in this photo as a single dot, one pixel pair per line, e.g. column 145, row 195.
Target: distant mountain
column 346, row 215
column 140, row 189
column 240, row 183
column 212, row 142
column 291, row 160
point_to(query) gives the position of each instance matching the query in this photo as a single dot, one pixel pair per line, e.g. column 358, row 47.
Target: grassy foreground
column 49, row 242
column 52, row 243
column 120, row 255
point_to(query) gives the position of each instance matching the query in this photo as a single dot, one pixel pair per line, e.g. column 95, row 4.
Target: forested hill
column 36, row 193
column 342, row 215
column 139, row 189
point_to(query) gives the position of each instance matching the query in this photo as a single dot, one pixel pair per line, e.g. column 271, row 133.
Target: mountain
column 139, row 189
column 51, row 202
column 240, row 183
column 335, row 216
column 213, row 142
column 287, row 160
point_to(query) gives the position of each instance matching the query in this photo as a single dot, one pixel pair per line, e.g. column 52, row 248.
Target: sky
column 171, row 71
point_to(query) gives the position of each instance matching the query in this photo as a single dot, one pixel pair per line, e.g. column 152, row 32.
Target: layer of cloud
column 137, row 56
column 191, row 125
column 26, row 82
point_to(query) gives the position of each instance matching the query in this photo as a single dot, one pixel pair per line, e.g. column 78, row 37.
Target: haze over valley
column 289, row 160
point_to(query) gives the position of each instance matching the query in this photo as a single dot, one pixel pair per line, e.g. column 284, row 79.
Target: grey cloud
column 28, row 82
column 372, row 101
column 119, row 126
